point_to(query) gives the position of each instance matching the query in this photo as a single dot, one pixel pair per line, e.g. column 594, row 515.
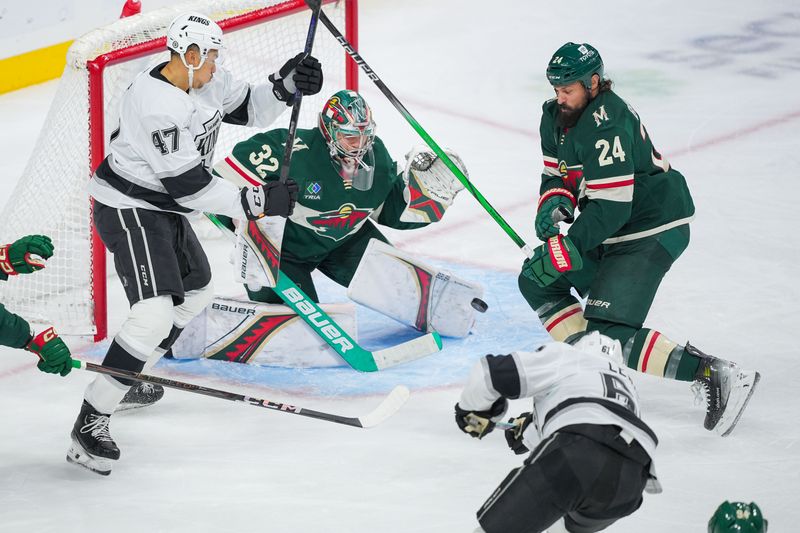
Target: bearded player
column 634, row 219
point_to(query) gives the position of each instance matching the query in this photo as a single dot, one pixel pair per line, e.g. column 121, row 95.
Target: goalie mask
column 347, row 126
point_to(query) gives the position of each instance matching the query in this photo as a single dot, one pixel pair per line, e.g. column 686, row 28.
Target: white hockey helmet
column 597, row 344
column 193, row 28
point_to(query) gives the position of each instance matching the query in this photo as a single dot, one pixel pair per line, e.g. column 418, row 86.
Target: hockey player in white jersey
column 156, row 172
column 591, row 452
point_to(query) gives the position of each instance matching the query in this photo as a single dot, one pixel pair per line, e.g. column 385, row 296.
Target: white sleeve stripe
column 615, row 194
column 616, row 181
column 551, row 171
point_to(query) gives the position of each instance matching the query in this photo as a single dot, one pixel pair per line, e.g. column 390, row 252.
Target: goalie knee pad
column 399, row 286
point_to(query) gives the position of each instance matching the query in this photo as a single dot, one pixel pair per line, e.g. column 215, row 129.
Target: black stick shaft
column 216, row 393
column 316, row 7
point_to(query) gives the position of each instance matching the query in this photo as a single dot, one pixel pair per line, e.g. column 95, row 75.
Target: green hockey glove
column 478, row 424
column 25, row 255
column 53, row 353
column 555, row 205
column 556, row 256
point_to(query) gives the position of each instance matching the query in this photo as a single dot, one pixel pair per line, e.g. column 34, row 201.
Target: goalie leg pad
column 269, row 334
column 399, row 286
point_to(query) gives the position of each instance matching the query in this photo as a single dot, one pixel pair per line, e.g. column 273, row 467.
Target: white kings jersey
column 568, row 386
column 160, row 154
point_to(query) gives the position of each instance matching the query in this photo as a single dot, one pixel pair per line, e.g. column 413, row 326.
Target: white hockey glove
column 430, row 185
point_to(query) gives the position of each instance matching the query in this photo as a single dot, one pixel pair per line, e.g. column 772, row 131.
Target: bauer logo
column 313, row 191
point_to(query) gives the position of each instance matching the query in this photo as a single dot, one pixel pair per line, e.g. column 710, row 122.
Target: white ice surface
column 715, row 83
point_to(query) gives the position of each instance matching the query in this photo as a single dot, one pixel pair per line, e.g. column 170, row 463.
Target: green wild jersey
column 328, row 210
column 625, row 189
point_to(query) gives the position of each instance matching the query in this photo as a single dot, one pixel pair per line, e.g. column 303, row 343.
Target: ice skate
column 726, row 389
column 141, row 395
column 92, row 446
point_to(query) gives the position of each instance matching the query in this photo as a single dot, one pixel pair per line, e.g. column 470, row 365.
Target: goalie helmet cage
column 50, row 198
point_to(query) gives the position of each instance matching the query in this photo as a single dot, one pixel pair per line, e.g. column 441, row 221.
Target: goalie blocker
column 402, row 287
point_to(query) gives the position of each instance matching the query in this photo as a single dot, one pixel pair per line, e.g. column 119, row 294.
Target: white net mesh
column 50, row 197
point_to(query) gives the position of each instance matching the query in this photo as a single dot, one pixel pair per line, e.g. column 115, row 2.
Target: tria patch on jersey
column 340, row 223
column 313, row 191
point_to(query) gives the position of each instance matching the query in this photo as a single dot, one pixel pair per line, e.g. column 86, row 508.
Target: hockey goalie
column 348, row 184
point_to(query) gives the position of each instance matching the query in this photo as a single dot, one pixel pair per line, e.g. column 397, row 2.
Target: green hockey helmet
column 737, row 517
column 347, row 126
column 574, row 62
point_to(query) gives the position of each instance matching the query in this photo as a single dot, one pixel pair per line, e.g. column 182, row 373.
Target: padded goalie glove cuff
column 514, row 435
column 480, row 423
column 302, row 72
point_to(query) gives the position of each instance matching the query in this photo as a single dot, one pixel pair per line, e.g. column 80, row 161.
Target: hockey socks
column 651, row 352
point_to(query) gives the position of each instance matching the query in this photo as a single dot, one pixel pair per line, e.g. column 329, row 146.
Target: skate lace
column 98, row 426
column 702, row 393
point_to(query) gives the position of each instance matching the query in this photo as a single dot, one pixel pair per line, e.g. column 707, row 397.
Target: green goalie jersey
column 328, row 209
column 625, row 190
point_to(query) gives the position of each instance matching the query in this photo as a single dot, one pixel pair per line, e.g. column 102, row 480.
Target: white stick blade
column 389, row 406
column 407, row 351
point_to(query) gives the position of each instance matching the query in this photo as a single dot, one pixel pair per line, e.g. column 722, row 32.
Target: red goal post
column 50, row 197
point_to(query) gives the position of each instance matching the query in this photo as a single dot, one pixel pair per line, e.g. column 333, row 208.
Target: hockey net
column 50, row 197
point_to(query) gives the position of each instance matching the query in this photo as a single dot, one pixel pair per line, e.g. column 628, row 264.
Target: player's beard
column 568, row 116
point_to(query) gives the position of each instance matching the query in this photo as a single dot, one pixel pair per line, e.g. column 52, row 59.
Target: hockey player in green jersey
column 633, row 224
column 348, row 183
column 25, row 256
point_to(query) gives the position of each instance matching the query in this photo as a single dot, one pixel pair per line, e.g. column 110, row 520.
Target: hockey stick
column 316, row 7
column 336, row 337
column 252, row 235
column 422, row 133
column 389, row 406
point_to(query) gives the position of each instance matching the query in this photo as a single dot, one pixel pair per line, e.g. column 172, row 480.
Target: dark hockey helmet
column 737, row 517
column 574, row 62
column 346, row 124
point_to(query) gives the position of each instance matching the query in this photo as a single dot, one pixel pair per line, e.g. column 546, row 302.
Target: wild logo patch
column 340, row 223
column 313, row 191
column 571, row 175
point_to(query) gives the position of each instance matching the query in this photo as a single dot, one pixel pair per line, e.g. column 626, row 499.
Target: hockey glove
column 514, row 435
column 54, row 355
column 271, row 199
column 25, row 255
column 555, row 205
column 550, row 260
column 302, row 72
column 480, row 423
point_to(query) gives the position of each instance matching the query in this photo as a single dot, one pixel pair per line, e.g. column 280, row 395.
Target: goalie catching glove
column 302, row 72
column 271, row 199
column 550, row 260
column 431, row 186
column 478, row 424
column 25, row 255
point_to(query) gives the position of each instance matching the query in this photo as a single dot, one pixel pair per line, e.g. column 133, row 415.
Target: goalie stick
column 389, row 406
column 422, row 133
column 336, row 337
